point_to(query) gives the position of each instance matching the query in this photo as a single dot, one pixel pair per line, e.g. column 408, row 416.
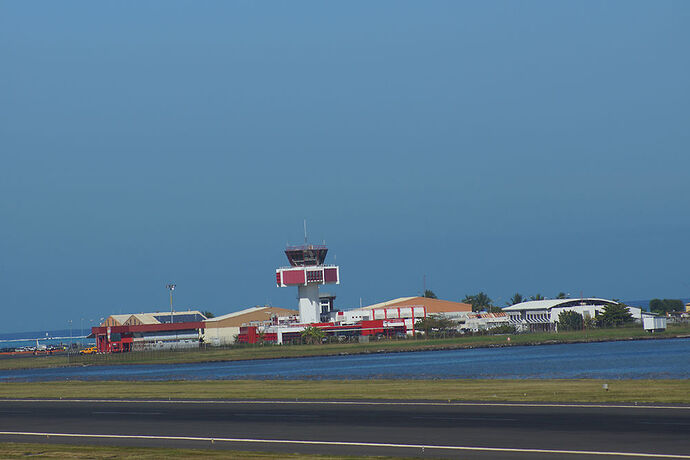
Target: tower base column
column 309, row 304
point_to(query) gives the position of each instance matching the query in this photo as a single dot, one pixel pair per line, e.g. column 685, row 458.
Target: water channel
column 642, row 359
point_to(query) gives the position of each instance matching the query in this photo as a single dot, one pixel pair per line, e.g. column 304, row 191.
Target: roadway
column 455, row 430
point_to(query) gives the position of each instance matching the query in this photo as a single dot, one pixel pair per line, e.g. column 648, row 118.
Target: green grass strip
column 581, row 390
column 12, row 450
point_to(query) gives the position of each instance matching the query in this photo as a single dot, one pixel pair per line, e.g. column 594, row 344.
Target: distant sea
column 50, row 337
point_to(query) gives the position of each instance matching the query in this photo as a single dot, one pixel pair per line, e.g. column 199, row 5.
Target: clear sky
column 500, row 146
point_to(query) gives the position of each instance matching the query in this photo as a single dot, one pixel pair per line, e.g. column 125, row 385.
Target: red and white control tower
column 307, row 272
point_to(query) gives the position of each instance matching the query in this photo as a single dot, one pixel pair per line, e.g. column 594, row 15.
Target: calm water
column 657, row 359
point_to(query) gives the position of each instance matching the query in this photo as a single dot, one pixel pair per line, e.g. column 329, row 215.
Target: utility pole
column 69, row 349
column 171, row 288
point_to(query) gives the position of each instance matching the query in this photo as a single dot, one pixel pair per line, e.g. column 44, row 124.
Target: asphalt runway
column 456, row 430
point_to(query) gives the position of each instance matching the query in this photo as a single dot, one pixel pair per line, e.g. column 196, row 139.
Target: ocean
column 55, row 337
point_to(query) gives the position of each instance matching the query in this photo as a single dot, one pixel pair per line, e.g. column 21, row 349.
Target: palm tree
column 478, row 301
column 537, row 297
column 517, row 298
column 312, row 335
column 430, row 294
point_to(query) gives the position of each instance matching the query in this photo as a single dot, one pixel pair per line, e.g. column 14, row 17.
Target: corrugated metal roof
column 387, row 303
column 143, row 318
column 119, row 319
column 247, row 311
column 547, row 304
column 431, row 305
column 150, row 318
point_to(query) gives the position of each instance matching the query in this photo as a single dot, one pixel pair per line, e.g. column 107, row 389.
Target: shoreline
column 212, row 355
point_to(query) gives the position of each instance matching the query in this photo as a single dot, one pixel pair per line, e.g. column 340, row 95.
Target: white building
column 222, row 330
column 545, row 312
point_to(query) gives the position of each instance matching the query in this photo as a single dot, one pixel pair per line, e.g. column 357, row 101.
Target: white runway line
column 352, row 403
column 345, row 444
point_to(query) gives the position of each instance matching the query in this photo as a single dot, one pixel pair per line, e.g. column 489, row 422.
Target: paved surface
column 397, row 429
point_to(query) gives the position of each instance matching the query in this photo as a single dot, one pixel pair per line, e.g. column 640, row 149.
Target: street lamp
column 69, row 347
column 171, row 288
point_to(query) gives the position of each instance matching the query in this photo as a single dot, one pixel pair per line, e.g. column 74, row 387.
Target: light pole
column 69, row 347
column 171, row 288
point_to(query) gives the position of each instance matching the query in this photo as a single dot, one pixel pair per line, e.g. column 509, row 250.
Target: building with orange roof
column 431, row 306
column 223, row 330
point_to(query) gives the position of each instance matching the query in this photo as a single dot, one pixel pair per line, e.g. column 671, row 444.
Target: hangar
column 223, row 330
column 543, row 314
column 149, row 331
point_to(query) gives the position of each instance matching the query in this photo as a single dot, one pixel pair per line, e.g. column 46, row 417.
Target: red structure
column 116, row 339
column 384, row 328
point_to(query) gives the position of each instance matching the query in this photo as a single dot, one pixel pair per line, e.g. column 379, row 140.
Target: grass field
column 640, row 391
column 11, row 450
column 293, row 351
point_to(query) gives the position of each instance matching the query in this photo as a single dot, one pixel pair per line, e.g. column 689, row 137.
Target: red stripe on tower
column 293, row 276
column 330, row 275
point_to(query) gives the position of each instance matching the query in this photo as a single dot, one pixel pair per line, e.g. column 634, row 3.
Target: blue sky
column 497, row 146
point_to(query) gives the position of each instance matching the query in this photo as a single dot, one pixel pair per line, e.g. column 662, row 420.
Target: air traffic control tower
column 307, row 272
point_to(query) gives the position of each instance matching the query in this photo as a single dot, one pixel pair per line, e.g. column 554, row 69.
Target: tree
column 665, row 305
column 208, row 314
column 478, row 301
column 569, row 320
column 312, row 335
column 434, row 322
column 614, row 315
column 430, row 294
column 562, row 295
column 517, row 298
column 537, row 297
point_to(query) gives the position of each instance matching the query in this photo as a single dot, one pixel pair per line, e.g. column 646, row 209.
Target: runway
column 455, row 430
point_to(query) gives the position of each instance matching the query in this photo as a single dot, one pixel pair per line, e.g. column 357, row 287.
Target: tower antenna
column 305, row 231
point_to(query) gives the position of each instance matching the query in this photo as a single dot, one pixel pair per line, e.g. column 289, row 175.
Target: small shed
column 654, row 323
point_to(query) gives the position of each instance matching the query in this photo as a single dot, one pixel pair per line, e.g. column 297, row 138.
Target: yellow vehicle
column 88, row 351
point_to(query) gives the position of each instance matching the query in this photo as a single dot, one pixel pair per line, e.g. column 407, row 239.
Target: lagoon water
column 642, row 359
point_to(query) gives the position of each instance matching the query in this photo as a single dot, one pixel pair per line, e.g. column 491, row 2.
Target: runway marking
column 117, row 412
column 353, row 403
column 345, row 444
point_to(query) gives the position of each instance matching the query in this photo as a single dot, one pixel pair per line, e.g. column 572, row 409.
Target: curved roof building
column 546, row 311
column 547, row 304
